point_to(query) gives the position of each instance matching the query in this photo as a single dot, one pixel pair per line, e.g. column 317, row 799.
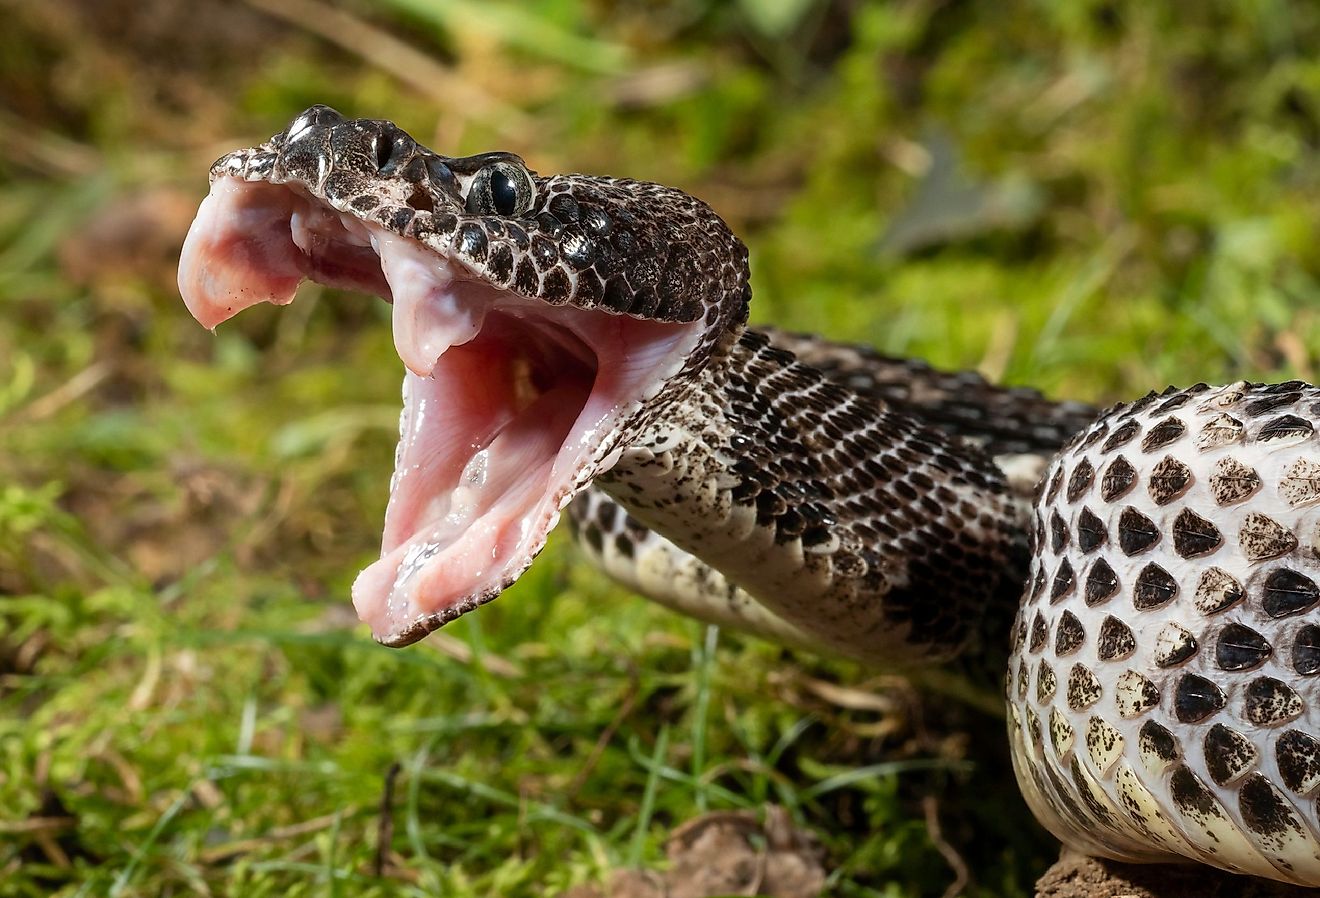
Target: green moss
column 185, row 701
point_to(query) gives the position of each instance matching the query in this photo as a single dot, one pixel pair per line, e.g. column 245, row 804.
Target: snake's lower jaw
column 511, row 405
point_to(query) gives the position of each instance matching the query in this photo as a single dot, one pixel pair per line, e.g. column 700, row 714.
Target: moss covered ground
column 1095, row 197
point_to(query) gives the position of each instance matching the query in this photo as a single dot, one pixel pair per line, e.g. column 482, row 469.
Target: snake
column 578, row 346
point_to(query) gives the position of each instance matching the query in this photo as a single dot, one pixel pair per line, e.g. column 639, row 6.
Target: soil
column 1077, row 876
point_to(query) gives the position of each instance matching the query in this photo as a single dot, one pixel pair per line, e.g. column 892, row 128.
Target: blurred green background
column 1095, row 197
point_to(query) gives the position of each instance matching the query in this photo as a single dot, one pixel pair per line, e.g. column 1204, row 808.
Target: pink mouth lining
column 511, row 405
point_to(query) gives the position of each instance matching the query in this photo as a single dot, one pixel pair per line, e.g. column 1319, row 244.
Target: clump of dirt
column 1078, row 876
column 726, row 853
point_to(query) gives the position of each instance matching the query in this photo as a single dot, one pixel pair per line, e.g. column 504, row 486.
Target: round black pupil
column 503, row 195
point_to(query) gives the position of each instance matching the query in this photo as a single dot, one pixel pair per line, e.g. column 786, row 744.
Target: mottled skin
column 1165, row 685
column 837, row 500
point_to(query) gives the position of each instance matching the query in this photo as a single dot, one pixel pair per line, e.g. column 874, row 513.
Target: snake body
column 1161, row 696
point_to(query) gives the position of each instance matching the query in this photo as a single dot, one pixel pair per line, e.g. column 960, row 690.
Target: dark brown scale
column 1063, row 583
column 556, row 287
column 1118, row 478
column 564, row 208
column 1169, row 480
column 1116, row 640
column 1139, row 406
column 1195, row 698
column 1038, row 584
column 1058, row 532
column 1194, row 536
column 1055, row 484
column 1287, row 592
column 544, row 252
column 1306, row 651
column 1154, row 588
column 1080, row 481
column 1101, row 583
column 1240, row 648
column 1136, row 532
column 500, row 264
column 1091, row 532
column 1264, row 406
column 1093, row 436
column 1069, row 634
column 1121, row 435
column 1285, row 428
column 1177, row 401
column 525, row 277
column 1170, row 430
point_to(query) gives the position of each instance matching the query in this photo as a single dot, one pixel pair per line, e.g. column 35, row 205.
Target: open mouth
column 510, row 404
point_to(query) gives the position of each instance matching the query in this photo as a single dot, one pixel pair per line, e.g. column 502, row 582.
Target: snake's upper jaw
column 511, row 405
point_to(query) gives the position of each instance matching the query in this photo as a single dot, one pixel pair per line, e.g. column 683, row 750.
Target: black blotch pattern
column 1217, row 590
column 1154, row 588
column 1306, row 651
column 1298, row 755
column 1168, row 431
column 1069, row 634
column 1169, row 480
column 1091, row 532
column 1122, row 434
column 1063, row 581
column 1193, row 535
column 1264, row 810
column 1158, row 741
column 1195, row 698
column 1228, row 754
column 1116, row 640
column 1269, row 701
column 1285, row 427
column 1174, row 645
column 1117, row 479
column 1232, row 482
column 1240, row 648
column 1083, row 688
column 1261, row 537
column 1080, row 481
column 1288, row 592
column 1101, row 583
column 1136, row 532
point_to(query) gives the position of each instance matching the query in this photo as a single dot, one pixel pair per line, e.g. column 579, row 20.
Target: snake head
column 541, row 321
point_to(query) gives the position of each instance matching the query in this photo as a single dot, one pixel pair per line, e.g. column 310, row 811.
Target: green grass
column 186, row 703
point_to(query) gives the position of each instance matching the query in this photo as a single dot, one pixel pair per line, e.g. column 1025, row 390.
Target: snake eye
column 501, row 188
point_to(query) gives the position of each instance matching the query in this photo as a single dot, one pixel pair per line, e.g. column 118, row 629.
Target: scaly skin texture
column 1162, row 691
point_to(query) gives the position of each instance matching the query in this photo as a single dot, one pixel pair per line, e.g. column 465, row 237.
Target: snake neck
column 880, row 538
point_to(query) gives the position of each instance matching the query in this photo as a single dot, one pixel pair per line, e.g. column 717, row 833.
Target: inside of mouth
column 510, row 404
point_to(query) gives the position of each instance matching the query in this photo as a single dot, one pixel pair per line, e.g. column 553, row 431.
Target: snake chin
column 510, row 405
